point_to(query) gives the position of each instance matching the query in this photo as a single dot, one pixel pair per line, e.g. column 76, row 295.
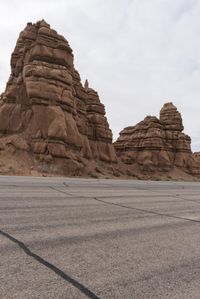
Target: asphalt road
column 79, row 238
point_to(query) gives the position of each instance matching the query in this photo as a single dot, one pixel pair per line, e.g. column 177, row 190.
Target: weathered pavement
column 79, row 238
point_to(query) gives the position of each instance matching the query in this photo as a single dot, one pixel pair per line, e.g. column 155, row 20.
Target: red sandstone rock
column 46, row 105
column 156, row 144
column 51, row 123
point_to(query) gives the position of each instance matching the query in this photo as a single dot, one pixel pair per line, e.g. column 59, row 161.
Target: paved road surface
column 78, row 238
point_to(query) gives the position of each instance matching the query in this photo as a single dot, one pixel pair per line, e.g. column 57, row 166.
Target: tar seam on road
column 60, row 191
column 144, row 211
column 138, row 209
column 136, row 188
column 173, row 196
column 50, row 266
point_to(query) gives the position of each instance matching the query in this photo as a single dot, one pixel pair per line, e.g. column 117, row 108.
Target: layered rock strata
column 157, row 144
column 50, row 123
column 45, row 110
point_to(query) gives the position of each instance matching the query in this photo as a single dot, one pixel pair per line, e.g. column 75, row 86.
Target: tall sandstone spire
column 45, row 110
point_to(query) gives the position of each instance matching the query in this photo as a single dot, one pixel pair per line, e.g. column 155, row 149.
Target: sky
column 138, row 54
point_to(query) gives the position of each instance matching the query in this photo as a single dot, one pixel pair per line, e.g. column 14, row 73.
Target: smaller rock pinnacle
column 86, row 84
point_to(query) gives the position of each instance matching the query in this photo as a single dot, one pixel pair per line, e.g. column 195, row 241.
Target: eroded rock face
column 51, row 123
column 156, row 144
column 46, row 105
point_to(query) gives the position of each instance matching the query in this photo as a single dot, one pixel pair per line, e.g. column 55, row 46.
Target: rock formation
column 51, row 124
column 157, row 144
column 46, row 112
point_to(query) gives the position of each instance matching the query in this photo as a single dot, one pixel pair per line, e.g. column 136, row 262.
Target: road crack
column 144, row 210
column 52, row 267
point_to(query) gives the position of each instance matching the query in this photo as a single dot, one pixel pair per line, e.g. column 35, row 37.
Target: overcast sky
column 138, row 54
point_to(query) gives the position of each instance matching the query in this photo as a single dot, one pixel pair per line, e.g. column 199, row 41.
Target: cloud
column 137, row 54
